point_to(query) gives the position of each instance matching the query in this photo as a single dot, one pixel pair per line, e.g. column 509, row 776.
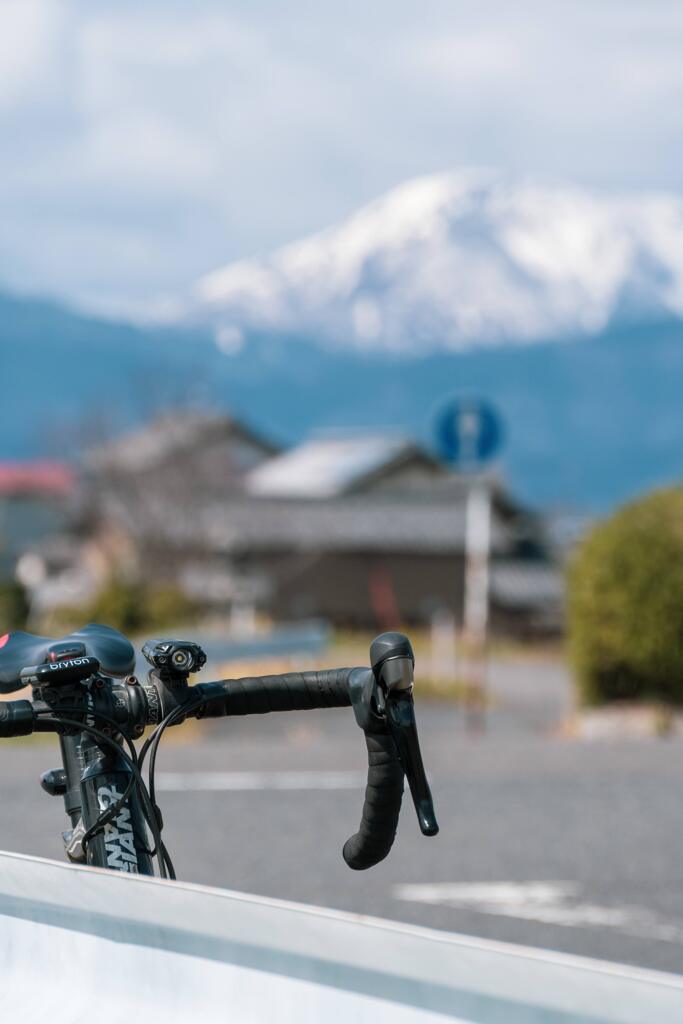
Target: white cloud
column 482, row 56
column 29, row 41
column 145, row 151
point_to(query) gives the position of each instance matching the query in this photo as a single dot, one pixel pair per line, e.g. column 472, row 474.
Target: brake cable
column 135, row 762
column 110, row 813
column 136, row 779
column 151, row 745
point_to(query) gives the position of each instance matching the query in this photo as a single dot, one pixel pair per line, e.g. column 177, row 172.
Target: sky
column 145, row 144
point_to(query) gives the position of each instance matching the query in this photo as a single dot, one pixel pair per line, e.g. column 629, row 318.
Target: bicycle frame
column 95, row 779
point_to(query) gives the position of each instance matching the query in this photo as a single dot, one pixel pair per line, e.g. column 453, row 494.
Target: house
column 352, row 523
column 365, row 530
column 36, row 501
column 174, row 462
column 377, row 559
column 182, row 450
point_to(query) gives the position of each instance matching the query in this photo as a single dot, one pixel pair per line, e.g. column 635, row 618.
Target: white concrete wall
column 79, row 944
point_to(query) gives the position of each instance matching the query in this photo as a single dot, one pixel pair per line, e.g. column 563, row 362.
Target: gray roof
column 326, row 467
column 152, row 444
column 360, row 523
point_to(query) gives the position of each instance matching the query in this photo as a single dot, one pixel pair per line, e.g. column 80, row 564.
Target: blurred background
column 317, row 321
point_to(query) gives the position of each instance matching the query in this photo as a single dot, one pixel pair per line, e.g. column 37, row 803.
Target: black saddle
column 20, row 650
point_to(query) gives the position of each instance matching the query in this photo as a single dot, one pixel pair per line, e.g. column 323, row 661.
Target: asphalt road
column 545, row 841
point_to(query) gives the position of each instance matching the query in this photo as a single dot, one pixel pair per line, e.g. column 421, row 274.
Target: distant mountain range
column 589, row 422
column 459, row 261
column 563, row 307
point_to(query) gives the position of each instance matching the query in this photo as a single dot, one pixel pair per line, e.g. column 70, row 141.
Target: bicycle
column 85, row 690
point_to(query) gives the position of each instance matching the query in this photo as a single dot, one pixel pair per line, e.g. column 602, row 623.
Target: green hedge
column 13, row 606
column 625, row 603
column 130, row 607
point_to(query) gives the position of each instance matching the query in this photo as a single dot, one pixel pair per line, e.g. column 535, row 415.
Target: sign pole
column 476, row 599
column 469, row 432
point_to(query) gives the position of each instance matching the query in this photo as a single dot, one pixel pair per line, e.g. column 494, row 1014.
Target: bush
column 167, row 606
column 13, row 607
column 625, row 604
column 119, row 604
column 133, row 608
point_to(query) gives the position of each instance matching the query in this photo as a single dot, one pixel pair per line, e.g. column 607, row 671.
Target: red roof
column 39, row 477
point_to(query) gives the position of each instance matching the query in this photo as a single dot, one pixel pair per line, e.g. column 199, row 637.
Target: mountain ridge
column 458, row 261
column 588, row 423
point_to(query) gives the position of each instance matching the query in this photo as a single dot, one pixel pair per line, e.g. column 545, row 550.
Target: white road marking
column 192, row 782
column 548, row 902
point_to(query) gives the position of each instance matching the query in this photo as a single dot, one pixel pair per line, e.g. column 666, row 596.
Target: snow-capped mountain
column 461, row 259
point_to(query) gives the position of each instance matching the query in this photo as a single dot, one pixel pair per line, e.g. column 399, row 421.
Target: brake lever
column 400, row 712
column 393, row 664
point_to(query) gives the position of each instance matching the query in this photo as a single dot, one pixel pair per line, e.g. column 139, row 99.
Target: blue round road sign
column 468, row 432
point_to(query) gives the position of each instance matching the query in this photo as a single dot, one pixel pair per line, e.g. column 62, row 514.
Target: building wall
column 362, row 590
column 27, row 520
column 383, row 591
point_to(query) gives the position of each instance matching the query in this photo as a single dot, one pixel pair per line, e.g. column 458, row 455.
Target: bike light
column 182, row 660
column 174, row 657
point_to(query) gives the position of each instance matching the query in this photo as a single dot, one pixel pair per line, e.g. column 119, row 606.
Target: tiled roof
column 40, row 477
column 360, row 523
column 156, row 441
column 325, row 467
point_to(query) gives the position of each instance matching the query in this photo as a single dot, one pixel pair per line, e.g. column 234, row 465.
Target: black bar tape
column 293, row 691
column 16, row 718
column 302, row 691
column 383, row 794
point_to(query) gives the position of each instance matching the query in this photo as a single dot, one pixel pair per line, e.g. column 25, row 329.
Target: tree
column 626, row 604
